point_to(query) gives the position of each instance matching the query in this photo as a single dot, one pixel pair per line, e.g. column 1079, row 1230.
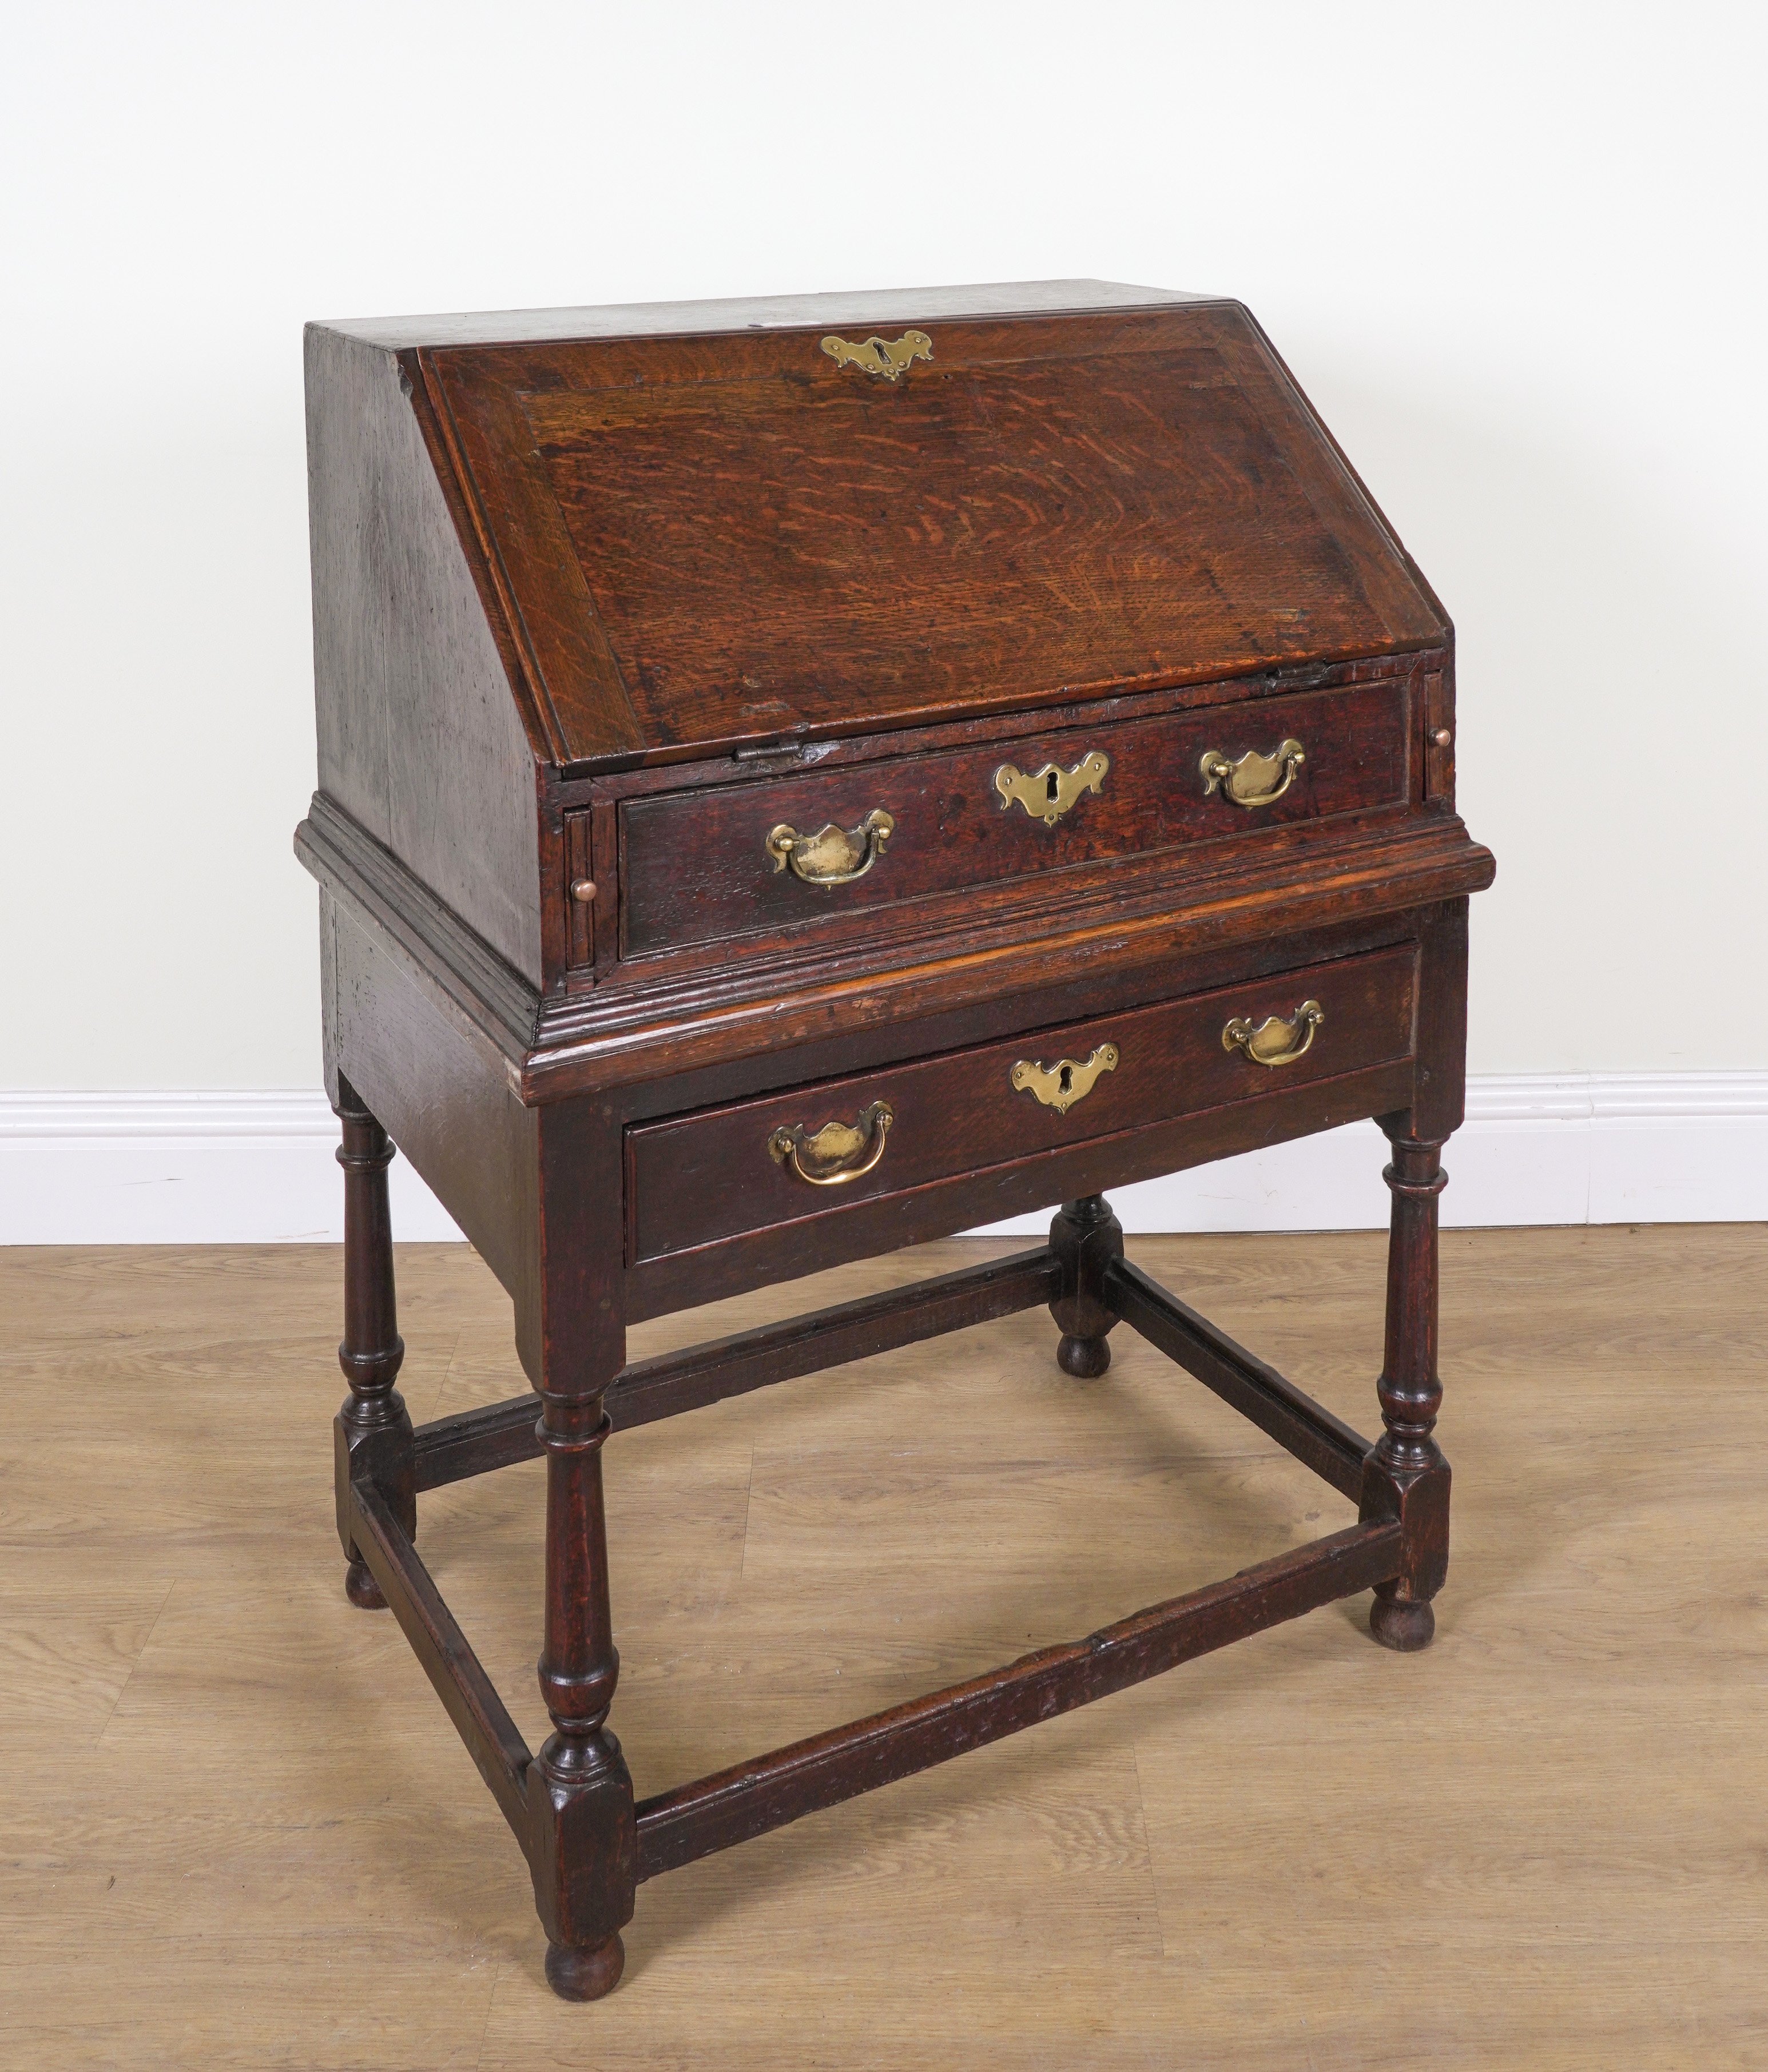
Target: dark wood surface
column 709, row 1177
column 1405, row 1475
column 373, row 1433
column 694, row 866
column 1088, row 1241
column 420, row 738
column 478, row 1440
column 1140, row 928
column 962, row 1200
column 600, row 601
column 737, row 1804
column 583, row 1847
column 480, row 1716
column 1051, row 503
column 1316, row 1438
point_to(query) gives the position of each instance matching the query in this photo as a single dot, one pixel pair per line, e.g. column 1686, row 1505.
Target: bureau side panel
column 443, row 1094
column 421, row 739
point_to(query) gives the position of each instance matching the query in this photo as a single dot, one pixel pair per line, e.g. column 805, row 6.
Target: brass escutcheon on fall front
column 833, row 855
column 878, row 355
column 838, row 1152
column 1274, row 1042
column 1048, row 793
column 1060, row 1085
column 1255, row 779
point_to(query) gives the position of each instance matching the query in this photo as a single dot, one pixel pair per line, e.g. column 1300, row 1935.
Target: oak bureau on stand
column 801, row 778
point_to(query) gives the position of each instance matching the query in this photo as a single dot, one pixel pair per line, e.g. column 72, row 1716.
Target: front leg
column 585, row 1856
column 1405, row 1474
column 584, row 1847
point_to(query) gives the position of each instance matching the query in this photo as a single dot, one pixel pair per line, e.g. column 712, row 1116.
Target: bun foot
column 585, row 1975
column 1085, row 1358
column 1403, row 1625
column 361, row 1589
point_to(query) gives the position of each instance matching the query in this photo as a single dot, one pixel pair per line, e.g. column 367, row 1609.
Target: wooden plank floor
column 239, row 1832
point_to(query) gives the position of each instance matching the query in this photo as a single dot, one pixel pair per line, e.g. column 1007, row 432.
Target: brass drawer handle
column 1255, row 780
column 833, row 855
column 1048, row 793
column 834, row 1155
column 1060, row 1085
column 1274, row 1042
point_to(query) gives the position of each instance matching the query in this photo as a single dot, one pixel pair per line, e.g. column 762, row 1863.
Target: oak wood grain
column 694, row 866
column 632, row 586
column 963, row 1113
column 1131, row 497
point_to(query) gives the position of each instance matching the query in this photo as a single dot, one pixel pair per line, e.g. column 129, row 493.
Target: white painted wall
column 1515, row 253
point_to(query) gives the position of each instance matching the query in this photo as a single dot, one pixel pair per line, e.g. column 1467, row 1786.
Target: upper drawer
column 699, row 865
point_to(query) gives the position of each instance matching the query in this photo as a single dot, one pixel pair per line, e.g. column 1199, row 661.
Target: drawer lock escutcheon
column 1274, row 1042
column 1048, row 793
column 880, row 356
column 1255, row 779
column 1060, row 1085
column 833, row 855
column 839, row 1152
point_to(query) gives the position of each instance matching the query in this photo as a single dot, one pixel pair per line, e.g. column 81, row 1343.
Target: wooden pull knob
column 583, row 891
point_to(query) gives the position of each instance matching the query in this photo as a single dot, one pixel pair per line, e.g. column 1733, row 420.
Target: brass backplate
column 833, row 855
column 1048, row 793
column 839, row 1151
column 1253, row 780
column 878, row 355
column 1275, row 1041
column 1060, row 1085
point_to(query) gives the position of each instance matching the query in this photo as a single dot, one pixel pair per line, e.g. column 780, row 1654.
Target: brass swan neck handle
column 1254, row 779
column 838, row 1152
column 1274, row 1042
column 833, row 855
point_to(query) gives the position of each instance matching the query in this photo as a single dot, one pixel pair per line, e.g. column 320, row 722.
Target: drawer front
column 699, row 866
column 697, row 1180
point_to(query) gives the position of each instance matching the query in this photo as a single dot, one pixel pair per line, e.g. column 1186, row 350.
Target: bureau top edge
column 731, row 313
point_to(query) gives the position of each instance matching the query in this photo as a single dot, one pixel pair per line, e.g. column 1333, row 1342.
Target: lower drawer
column 779, row 1159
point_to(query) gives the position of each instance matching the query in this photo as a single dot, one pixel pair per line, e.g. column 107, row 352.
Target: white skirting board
column 226, row 1167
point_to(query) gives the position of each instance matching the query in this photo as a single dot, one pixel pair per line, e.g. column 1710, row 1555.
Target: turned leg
column 1085, row 1237
column 585, row 1857
column 1405, row 1476
column 373, row 1433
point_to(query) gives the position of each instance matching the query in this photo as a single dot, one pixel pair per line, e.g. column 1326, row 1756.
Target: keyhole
column 1065, row 1079
column 1050, row 785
